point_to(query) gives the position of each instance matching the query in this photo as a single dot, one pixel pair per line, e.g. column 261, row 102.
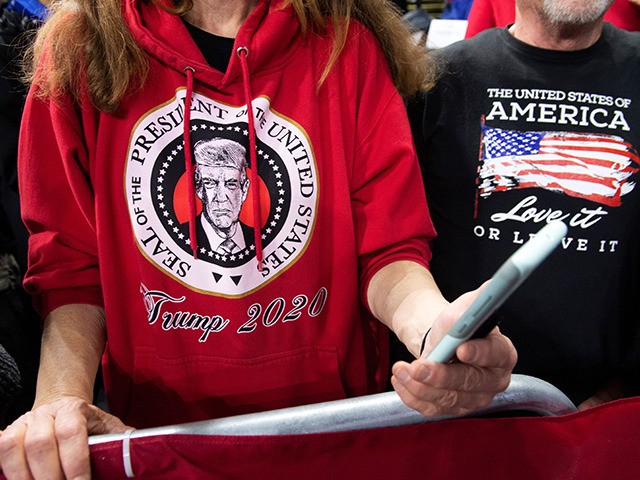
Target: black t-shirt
column 514, row 136
column 216, row 50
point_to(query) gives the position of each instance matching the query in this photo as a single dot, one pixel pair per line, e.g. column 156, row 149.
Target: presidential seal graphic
column 157, row 190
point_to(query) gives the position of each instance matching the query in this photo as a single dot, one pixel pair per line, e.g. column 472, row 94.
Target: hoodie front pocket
column 169, row 391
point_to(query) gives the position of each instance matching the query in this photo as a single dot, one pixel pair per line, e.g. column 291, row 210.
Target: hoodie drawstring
column 243, row 53
column 188, row 162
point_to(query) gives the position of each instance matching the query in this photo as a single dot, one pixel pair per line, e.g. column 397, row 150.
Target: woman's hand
column 483, row 369
column 51, row 441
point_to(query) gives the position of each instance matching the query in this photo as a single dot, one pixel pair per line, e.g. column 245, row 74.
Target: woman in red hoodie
column 212, row 284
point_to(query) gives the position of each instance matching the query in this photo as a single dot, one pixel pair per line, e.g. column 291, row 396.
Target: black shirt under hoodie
column 216, row 50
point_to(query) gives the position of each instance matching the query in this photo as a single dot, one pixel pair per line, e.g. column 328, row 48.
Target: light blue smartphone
column 503, row 283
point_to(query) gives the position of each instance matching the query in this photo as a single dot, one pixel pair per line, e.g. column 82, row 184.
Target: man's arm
column 404, row 296
column 51, row 440
column 610, row 391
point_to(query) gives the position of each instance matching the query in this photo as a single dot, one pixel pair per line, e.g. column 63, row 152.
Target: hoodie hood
column 268, row 33
column 264, row 41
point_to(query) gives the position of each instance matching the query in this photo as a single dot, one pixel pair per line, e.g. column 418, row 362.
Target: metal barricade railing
column 525, row 393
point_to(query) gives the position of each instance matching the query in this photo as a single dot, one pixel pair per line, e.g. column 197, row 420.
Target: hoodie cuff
column 48, row 301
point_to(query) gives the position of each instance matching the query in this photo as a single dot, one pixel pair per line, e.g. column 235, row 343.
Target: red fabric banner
column 599, row 443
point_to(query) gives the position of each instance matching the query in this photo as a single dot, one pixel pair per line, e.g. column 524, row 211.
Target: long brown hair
column 87, row 46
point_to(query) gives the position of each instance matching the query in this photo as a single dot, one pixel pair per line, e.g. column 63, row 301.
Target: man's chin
column 223, row 222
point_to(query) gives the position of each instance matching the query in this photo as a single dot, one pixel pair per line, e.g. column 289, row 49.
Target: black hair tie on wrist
column 424, row 341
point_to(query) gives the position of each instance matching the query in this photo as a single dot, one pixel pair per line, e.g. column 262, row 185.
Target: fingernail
column 402, row 375
column 471, row 353
column 423, row 374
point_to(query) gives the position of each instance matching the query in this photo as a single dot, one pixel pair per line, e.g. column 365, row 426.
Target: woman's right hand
column 51, row 441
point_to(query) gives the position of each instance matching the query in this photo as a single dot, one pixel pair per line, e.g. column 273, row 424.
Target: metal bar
column 524, row 393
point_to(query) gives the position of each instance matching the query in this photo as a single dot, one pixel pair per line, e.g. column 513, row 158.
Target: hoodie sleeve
column 388, row 199
column 57, row 206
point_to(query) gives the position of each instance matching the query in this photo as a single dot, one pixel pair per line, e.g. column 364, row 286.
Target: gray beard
column 563, row 12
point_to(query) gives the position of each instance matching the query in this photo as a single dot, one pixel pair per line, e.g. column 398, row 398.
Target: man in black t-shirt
column 530, row 123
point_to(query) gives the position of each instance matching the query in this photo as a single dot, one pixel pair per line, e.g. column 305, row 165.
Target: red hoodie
column 338, row 192
column 500, row 13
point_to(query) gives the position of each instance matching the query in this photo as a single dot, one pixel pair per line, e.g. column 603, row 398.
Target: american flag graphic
column 596, row 167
